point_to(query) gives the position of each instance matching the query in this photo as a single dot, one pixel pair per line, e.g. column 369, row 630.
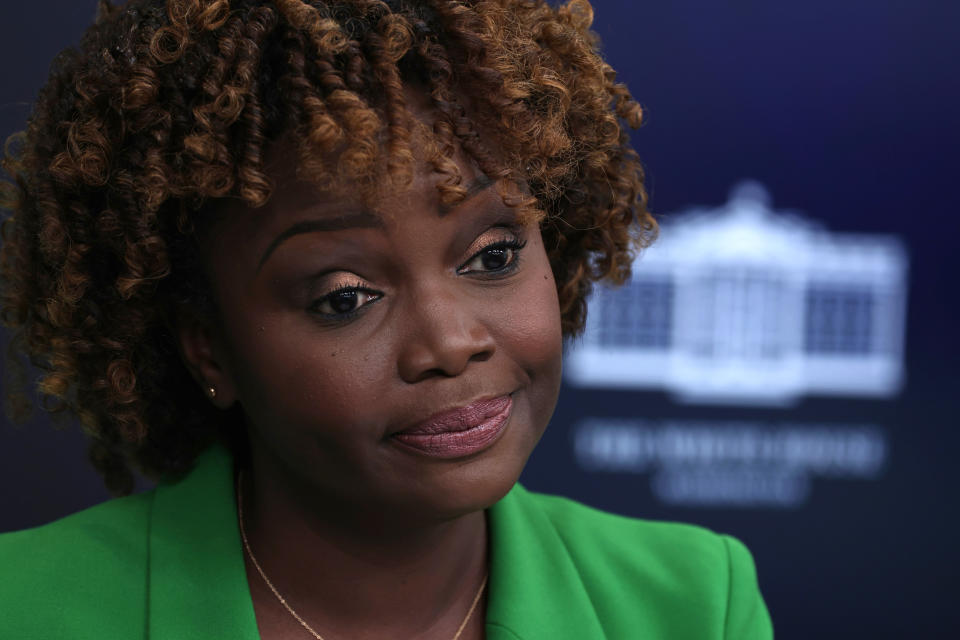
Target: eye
column 344, row 302
column 496, row 258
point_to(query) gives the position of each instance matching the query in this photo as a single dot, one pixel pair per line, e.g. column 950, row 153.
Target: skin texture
column 442, row 320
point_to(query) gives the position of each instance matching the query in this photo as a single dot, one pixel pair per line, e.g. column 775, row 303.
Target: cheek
column 534, row 327
column 290, row 375
column 538, row 324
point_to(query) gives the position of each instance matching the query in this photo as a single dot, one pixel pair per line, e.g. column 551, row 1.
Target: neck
column 360, row 573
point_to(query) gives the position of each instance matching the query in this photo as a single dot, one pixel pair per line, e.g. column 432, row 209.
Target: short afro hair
column 167, row 106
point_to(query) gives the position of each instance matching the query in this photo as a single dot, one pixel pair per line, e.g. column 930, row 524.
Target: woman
column 309, row 265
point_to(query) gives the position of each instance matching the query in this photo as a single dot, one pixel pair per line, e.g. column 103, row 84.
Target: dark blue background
column 844, row 110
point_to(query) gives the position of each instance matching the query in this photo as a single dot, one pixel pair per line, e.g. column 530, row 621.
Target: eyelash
column 513, row 244
column 345, row 288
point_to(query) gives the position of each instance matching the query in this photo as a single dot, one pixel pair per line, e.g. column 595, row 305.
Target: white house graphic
column 745, row 305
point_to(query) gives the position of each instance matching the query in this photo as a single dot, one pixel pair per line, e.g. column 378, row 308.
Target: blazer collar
column 197, row 578
column 535, row 587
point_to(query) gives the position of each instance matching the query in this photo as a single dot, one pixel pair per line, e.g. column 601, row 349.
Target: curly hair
column 167, row 107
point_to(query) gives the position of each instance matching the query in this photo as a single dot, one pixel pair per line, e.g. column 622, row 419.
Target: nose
column 444, row 332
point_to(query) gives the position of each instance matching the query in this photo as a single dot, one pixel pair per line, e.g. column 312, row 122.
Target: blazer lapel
column 535, row 588
column 197, row 579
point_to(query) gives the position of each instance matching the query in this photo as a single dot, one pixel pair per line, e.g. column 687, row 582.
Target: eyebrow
column 361, row 219
column 480, row 183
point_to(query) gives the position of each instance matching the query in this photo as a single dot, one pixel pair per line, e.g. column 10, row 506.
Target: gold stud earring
column 212, row 392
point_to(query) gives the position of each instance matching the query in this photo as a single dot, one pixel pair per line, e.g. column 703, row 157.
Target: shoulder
column 59, row 575
column 652, row 544
column 672, row 569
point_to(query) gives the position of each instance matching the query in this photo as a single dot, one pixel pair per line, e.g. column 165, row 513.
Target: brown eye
column 497, row 258
column 344, row 302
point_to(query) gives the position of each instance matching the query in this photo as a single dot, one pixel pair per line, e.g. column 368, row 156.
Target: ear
column 204, row 355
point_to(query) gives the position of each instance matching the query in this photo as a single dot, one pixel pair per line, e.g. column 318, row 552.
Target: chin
column 475, row 485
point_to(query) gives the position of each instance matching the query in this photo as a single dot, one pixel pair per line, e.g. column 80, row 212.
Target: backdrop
column 783, row 366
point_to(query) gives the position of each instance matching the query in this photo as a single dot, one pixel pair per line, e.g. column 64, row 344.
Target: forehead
column 298, row 205
column 298, row 194
column 296, row 187
column 295, row 195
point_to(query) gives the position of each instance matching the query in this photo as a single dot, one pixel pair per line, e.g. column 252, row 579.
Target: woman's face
column 402, row 357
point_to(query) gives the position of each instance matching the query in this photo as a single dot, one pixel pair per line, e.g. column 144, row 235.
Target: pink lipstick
column 459, row 432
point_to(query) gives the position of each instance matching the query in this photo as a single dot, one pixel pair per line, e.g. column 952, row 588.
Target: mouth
column 459, row 432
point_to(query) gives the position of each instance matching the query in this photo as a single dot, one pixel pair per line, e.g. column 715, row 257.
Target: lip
column 459, row 432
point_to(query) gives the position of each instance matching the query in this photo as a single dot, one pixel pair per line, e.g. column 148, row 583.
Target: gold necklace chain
column 283, row 601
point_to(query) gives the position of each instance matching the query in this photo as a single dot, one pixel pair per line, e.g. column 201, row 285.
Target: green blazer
column 168, row 565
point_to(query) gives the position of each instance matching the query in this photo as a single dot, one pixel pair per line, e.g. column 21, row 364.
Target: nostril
column 441, row 356
column 444, row 338
column 482, row 356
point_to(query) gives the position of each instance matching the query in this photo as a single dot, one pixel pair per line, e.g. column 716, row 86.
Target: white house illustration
column 742, row 304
